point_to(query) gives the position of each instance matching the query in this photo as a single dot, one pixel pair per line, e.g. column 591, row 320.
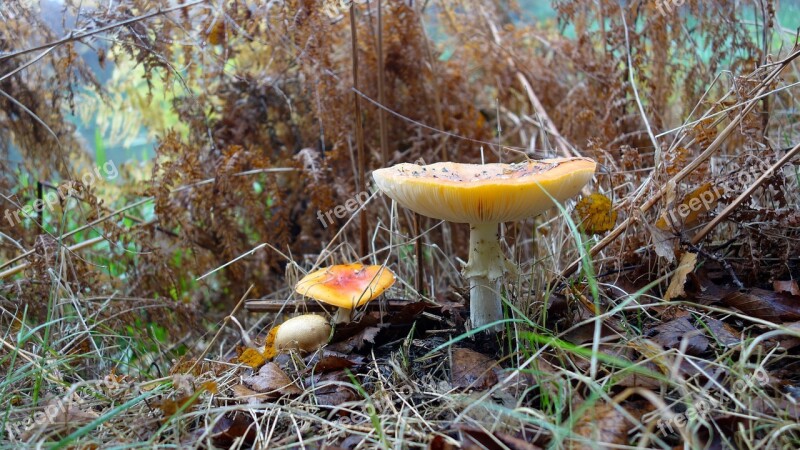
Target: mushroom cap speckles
column 346, row 285
column 484, row 193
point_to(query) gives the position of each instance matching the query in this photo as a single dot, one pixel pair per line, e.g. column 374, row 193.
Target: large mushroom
column 346, row 286
column 484, row 195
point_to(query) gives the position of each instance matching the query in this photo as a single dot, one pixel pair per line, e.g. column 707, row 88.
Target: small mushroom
column 306, row 333
column 484, row 195
column 346, row 286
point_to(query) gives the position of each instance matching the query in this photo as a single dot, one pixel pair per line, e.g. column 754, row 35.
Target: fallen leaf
column 335, row 397
column 357, row 341
column 233, row 427
column 247, row 395
column 664, row 242
column 605, row 426
column 366, row 335
column 472, row 370
column 665, row 363
column 788, row 286
column 722, row 332
column 171, row 406
column 271, row 380
column 672, row 333
column 581, row 334
column 788, row 341
column 332, row 363
column 596, row 214
column 439, row 442
column 408, row 313
column 478, row 439
column 685, row 267
column 61, row 418
column 210, row 386
column 252, row 358
column 700, row 333
column 775, row 307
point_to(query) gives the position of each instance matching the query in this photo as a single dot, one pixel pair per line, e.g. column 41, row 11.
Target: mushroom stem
column 485, row 268
column 485, row 305
column 342, row 315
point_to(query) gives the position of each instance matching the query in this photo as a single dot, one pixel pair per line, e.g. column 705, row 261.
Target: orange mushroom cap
column 484, row 193
column 346, row 285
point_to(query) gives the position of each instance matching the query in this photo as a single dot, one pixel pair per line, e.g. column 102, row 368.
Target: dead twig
column 362, row 162
column 745, row 195
column 72, row 248
column 77, row 36
column 285, row 305
column 711, row 149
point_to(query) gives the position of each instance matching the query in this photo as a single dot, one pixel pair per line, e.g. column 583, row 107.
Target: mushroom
column 346, row 286
column 305, row 333
column 484, row 195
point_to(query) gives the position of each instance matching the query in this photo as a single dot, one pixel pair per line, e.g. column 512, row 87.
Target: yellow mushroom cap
column 484, row 193
column 346, row 285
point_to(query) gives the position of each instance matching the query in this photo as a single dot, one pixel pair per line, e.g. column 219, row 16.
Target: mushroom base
column 485, row 269
column 485, row 305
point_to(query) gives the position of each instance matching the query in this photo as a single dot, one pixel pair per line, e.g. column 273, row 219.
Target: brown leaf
column 328, row 390
column 271, row 380
column 777, row 407
column 357, row 341
column 333, row 363
column 685, row 267
column 439, row 442
column 348, row 330
column 478, row 439
column 585, row 333
column 722, row 332
column 604, row 426
column 472, row 370
column 60, row 418
column 247, row 395
column 787, row 341
column 171, row 406
column 672, row 333
column 407, row 313
column 775, row 307
column 788, row 286
column 232, row 427
column 336, row 396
